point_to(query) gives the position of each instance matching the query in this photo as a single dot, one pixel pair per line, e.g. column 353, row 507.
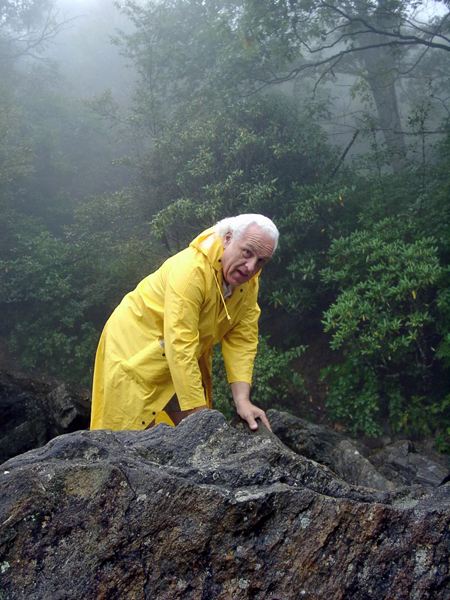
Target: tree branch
column 344, row 154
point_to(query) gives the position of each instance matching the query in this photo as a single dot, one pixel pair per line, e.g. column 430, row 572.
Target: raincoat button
column 163, row 354
column 143, row 422
column 220, row 260
column 242, row 290
column 153, row 413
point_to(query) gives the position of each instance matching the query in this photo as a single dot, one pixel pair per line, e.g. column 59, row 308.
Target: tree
column 176, row 49
column 321, row 34
column 52, row 154
column 386, row 39
column 26, row 26
column 190, row 53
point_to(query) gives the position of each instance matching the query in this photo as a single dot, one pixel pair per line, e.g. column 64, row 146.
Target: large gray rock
column 66, row 411
column 22, row 423
column 348, row 459
column 210, row 511
column 397, row 465
column 402, row 465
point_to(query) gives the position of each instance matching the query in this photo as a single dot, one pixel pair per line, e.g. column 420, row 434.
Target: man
column 155, row 351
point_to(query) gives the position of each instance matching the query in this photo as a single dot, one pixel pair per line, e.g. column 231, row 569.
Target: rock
column 23, row 425
column 210, row 511
column 401, row 464
column 67, row 411
column 31, row 414
column 354, row 468
column 344, row 457
column 398, row 464
column 310, row 440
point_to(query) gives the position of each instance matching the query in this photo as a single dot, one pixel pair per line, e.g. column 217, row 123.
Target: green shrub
column 389, row 319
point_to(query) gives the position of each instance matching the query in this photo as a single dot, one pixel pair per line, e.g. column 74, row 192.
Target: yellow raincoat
column 159, row 340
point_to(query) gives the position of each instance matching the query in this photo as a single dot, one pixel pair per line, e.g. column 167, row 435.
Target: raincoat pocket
column 149, row 366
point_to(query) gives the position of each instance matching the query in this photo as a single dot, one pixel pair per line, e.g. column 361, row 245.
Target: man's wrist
column 239, row 402
column 241, row 392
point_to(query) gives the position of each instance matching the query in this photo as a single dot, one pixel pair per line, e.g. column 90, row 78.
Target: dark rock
column 354, row 468
column 310, row 440
column 67, row 411
column 348, row 459
column 21, row 415
column 31, row 414
column 210, row 511
column 400, row 463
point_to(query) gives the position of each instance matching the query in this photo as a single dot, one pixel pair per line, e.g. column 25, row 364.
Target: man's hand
column 249, row 412
column 245, row 409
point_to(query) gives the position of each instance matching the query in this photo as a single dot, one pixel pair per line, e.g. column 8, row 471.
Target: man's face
column 244, row 257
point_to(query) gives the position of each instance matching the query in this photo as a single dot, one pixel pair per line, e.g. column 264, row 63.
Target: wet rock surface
column 210, row 510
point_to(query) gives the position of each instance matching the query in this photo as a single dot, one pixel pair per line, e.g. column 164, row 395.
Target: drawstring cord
column 221, row 295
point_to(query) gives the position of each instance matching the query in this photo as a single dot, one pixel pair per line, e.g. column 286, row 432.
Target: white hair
column 238, row 224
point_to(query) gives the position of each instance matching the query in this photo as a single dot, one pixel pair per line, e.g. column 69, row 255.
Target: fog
column 113, row 156
column 89, row 61
column 91, row 65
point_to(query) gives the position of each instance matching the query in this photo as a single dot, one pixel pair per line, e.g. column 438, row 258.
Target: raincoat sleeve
column 185, row 294
column 239, row 345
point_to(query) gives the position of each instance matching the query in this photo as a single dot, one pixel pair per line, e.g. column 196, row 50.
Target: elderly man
column 155, row 351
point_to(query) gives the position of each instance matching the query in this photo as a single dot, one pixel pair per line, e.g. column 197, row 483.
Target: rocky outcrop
column 396, row 465
column 32, row 413
column 402, row 465
column 210, row 511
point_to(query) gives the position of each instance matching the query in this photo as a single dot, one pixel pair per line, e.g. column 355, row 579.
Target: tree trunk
column 382, row 75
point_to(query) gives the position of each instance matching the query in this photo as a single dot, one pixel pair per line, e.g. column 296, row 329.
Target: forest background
column 126, row 128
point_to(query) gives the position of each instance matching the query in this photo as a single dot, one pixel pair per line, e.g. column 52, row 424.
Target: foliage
column 275, row 382
column 262, row 155
column 316, row 214
column 15, row 152
column 362, row 249
column 175, row 47
column 389, row 318
column 52, row 154
column 57, row 291
column 46, row 312
column 26, row 28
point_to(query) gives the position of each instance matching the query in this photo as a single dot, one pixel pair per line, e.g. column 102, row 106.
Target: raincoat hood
column 211, row 245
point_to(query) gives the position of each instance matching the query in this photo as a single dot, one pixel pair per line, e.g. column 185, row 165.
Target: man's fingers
column 259, row 415
column 265, row 420
column 249, row 412
column 252, row 423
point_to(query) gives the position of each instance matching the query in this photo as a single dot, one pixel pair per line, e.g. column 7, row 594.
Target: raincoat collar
column 211, row 246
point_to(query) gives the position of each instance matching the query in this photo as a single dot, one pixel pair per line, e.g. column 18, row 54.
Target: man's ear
column 227, row 239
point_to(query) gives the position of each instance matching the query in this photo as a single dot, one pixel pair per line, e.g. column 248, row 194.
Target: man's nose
column 251, row 263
